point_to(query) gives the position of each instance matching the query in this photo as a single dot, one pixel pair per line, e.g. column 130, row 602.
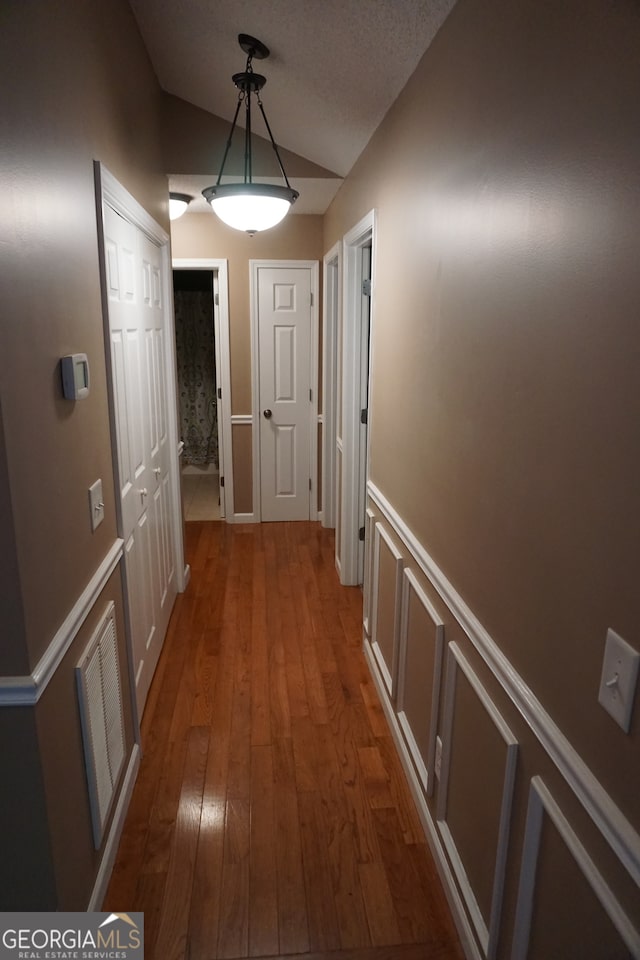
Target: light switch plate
column 619, row 677
column 96, row 504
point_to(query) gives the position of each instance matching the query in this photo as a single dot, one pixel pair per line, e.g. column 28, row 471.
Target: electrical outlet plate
column 96, row 504
column 619, row 677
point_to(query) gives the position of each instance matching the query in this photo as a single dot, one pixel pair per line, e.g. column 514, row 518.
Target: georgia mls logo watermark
column 71, row 936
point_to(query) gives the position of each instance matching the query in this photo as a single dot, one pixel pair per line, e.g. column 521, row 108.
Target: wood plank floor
column 271, row 816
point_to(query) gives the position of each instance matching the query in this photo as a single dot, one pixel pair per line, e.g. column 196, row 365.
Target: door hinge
column 361, row 534
column 219, row 393
column 222, row 481
column 311, row 298
column 310, row 395
column 364, row 416
column 366, row 287
column 309, row 483
column 216, row 299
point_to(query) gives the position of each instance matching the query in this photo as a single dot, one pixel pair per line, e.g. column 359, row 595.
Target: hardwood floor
column 271, row 816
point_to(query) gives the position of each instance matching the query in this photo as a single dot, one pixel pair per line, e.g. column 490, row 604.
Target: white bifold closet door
column 134, row 285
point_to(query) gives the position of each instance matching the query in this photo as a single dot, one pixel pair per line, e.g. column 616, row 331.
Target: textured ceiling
column 336, row 66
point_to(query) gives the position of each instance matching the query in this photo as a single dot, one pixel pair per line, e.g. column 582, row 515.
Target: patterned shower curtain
column 196, row 376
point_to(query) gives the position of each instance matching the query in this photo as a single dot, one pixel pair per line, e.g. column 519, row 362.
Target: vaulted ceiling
column 335, row 68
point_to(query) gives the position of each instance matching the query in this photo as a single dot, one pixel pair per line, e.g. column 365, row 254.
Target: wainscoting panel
column 555, row 862
column 494, row 731
column 386, row 593
column 419, row 676
column 478, row 766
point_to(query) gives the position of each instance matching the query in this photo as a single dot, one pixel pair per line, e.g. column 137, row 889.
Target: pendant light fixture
column 247, row 205
column 178, row 203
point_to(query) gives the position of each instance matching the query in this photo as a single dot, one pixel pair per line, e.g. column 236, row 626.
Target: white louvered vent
column 98, row 677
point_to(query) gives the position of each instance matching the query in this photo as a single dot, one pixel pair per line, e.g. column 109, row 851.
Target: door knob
column 157, row 471
column 143, row 492
column 267, row 414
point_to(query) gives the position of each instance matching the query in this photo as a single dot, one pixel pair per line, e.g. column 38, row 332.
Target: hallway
column 271, row 815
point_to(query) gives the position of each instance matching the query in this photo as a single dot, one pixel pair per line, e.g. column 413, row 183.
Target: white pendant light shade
column 250, row 206
column 178, row 203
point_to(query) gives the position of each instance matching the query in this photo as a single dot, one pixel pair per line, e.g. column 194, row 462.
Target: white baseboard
column 243, row 518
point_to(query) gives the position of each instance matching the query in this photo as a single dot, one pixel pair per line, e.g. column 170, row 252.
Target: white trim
column 426, row 779
column 367, row 587
column 171, row 366
column 246, row 418
column 461, row 920
column 487, row 931
column 254, row 268
column 109, row 190
column 223, row 364
column 425, row 767
column 608, row 817
column 331, row 281
column 358, row 237
column 464, row 885
column 388, row 671
column 314, row 382
column 111, row 846
column 26, row 691
column 541, row 801
column 243, row 518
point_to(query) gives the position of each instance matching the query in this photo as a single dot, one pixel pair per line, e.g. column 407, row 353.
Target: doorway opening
column 194, row 296
column 353, row 447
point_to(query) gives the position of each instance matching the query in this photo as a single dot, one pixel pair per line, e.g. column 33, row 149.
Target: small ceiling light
column 178, row 203
column 247, row 205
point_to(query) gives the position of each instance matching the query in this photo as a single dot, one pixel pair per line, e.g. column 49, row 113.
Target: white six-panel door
column 284, row 318
column 133, row 270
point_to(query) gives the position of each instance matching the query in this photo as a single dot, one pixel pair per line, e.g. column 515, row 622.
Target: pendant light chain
column 231, row 132
column 273, row 143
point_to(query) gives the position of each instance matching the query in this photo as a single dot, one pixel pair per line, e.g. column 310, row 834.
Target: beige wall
column 27, row 879
column 505, row 402
column 13, row 652
column 81, row 89
column 194, row 142
column 78, row 87
column 202, row 235
column 504, row 422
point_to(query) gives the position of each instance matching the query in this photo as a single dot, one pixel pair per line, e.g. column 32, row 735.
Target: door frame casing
column 254, row 267
column 331, row 304
column 223, row 354
column 361, row 235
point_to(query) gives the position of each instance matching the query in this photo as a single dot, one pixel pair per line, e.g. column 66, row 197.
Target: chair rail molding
column 25, row 691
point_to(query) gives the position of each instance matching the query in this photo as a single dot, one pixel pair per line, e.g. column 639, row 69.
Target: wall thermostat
column 75, row 376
